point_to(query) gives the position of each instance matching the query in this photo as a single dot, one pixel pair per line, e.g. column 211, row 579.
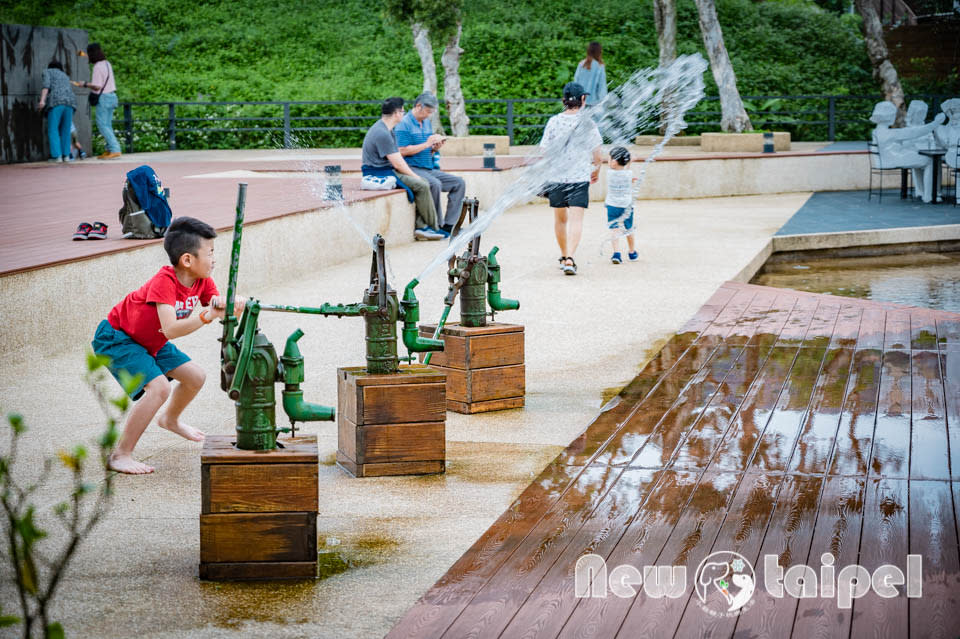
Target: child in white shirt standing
column 619, row 202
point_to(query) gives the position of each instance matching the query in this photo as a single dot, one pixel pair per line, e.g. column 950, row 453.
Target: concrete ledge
column 49, row 309
column 473, row 145
column 677, row 140
column 844, row 239
column 742, row 142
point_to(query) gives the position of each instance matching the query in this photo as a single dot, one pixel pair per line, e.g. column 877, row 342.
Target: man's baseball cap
column 573, row 90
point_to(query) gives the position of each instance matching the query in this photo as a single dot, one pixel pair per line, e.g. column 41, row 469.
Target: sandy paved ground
column 586, row 336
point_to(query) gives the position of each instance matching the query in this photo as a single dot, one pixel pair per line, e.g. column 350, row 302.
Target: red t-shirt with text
column 137, row 315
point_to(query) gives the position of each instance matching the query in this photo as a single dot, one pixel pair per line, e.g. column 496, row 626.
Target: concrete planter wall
column 742, row 142
column 473, row 145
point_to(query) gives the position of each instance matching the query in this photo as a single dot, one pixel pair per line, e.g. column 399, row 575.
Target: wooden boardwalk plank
column 872, row 324
column 499, row 599
column 799, row 321
column 837, row 532
column 788, row 537
column 775, row 442
column 851, row 452
column 929, row 450
column 643, row 421
column 742, row 532
column 950, row 369
column 700, row 444
column 883, row 541
column 689, row 543
column 819, row 431
column 658, row 449
column 640, row 545
column 739, row 442
column 933, row 536
column 618, row 410
column 437, row 609
column 847, row 330
column 923, row 331
column 777, row 422
column 896, row 333
column 890, row 456
column 545, row 611
column 768, row 332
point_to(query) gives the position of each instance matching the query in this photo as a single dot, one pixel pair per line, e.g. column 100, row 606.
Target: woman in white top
column 104, row 84
column 570, row 141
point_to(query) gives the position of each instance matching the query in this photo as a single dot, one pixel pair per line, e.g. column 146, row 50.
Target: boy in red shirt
column 176, row 301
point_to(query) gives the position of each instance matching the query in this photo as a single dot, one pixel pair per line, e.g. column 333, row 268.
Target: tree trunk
column 733, row 117
column 452, row 93
column 883, row 69
column 665, row 17
column 421, row 40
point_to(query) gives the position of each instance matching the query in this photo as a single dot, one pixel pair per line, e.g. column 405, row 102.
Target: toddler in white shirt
column 619, row 202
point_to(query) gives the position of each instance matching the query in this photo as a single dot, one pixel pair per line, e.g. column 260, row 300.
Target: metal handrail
column 290, row 117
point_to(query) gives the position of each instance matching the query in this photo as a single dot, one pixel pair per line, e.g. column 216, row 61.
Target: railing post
column 510, row 121
column 287, row 140
column 832, row 118
column 172, row 126
column 128, row 125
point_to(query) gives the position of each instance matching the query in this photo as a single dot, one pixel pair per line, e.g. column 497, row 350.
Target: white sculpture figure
column 948, row 135
column 917, row 116
column 896, row 145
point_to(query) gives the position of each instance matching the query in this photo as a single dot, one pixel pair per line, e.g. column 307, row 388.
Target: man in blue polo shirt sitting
column 417, row 143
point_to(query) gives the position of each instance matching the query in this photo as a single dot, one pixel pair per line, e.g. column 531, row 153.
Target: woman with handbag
column 103, row 96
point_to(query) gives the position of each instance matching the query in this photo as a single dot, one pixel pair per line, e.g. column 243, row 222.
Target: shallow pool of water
column 930, row 280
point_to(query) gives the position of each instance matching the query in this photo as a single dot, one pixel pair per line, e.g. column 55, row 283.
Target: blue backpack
column 144, row 192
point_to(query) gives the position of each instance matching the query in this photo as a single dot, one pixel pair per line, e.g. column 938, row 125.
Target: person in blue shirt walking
column 592, row 75
column 418, row 144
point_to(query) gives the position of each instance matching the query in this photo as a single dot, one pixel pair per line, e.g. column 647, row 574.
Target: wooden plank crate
column 258, row 510
column 484, row 366
column 391, row 424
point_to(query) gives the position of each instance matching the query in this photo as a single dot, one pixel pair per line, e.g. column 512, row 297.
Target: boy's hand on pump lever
column 218, row 306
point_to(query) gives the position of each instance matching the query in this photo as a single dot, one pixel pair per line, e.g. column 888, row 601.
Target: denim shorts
column 563, row 195
column 126, row 354
column 615, row 218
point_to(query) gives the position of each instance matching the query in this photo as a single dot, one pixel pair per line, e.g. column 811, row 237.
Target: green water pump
column 471, row 273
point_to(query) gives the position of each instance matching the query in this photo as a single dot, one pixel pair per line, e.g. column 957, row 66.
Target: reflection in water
column 930, row 280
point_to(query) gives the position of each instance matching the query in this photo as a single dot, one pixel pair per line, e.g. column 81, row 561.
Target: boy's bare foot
column 178, row 427
column 128, row 465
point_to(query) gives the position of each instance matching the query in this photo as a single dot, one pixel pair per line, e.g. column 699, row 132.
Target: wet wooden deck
column 775, row 422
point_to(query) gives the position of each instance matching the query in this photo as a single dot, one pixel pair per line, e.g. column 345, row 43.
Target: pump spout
column 497, row 302
column 293, row 374
column 411, row 317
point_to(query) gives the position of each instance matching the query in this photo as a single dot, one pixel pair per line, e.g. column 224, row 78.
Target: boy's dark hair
column 55, row 64
column 184, row 236
column 391, row 106
column 620, row 154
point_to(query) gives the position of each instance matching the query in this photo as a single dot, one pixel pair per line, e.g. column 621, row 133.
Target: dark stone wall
column 25, row 52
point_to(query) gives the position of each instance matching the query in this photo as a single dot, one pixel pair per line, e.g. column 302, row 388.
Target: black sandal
column 562, row 259
column 570, row 269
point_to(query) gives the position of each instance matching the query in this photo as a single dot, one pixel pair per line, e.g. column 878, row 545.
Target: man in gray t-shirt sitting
column 381, row 157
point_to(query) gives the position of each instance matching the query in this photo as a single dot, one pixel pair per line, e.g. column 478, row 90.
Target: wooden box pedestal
column 391, row 424
column 484, row 366
column 258, row 510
